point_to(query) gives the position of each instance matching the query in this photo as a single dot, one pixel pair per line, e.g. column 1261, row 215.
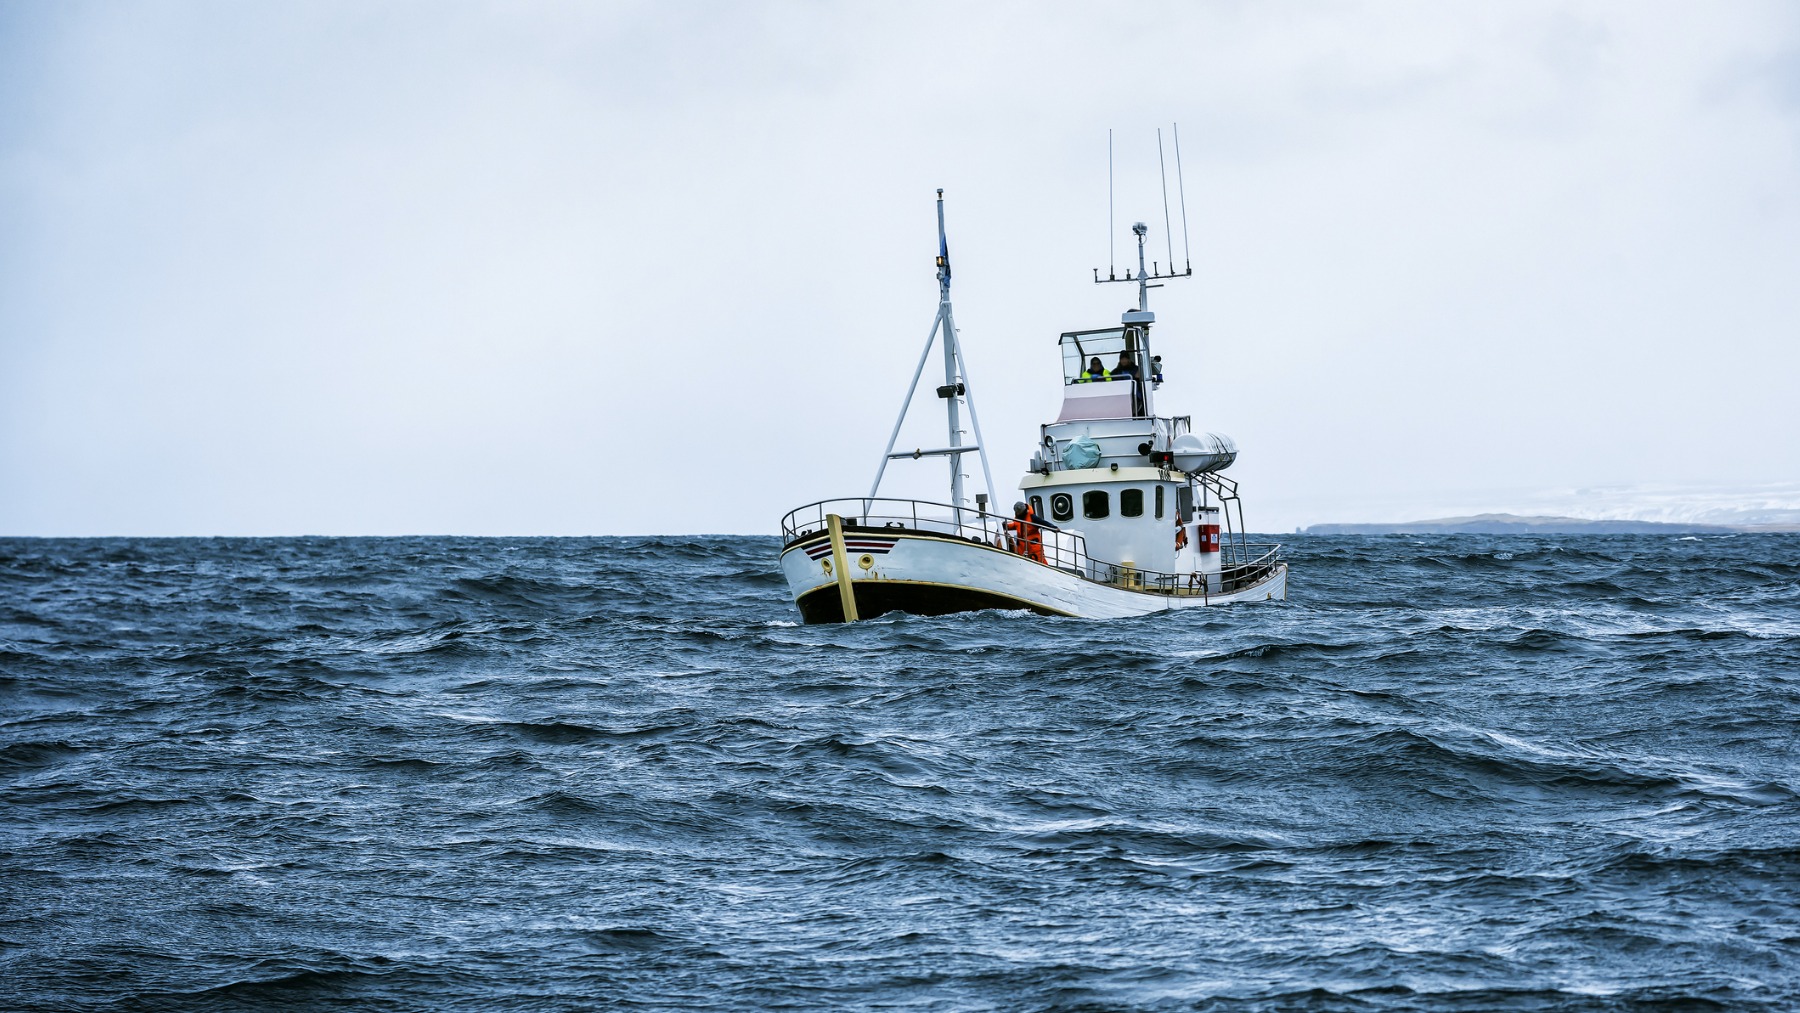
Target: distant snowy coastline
column 1659, row 509
column 1514, row 524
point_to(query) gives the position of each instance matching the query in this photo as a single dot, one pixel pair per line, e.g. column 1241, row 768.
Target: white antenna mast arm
column 975, row 420
column 911, row 389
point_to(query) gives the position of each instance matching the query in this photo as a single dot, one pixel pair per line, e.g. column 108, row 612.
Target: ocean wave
column 1452, row 773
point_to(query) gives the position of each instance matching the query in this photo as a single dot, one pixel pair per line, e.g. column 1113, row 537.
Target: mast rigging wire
column 1186, row 254
column 1162, row 167
column 1111, row 260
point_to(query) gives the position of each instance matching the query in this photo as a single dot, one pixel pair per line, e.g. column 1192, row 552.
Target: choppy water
column 1455, row 773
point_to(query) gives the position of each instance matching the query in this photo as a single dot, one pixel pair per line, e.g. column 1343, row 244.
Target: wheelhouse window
column 1159, row 502
column 1096, row 504
column 1062, row 506
column 1037, row 506
column 1122, row 353
column 1131, row 503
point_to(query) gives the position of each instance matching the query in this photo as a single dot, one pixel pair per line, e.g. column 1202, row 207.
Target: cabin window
column 1037, row 506
column 1062, row 506
column 1131, row 503
column 1096, row 503
column 1159, row 501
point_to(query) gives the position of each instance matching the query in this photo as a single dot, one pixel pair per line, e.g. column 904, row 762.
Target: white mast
column 949, row 328
column 956, row 385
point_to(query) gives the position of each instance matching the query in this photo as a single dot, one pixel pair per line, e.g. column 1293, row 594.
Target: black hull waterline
column 873, row 598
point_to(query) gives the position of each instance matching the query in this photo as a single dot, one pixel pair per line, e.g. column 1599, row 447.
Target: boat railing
column 1251, row 564
column 1064, row 550
column 1257, row 564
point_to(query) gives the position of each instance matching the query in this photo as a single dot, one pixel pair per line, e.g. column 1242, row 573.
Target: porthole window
column 1062, row 506
column 1037, row 506
column 1159, row 502
column 1096, row 503
column 1131, row 503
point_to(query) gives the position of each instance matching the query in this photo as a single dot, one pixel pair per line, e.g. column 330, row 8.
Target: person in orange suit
column 1025, row 532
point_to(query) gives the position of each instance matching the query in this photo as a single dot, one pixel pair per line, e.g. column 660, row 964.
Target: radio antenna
column 1147, row 271
column 1182, row 189
column 1163, row 169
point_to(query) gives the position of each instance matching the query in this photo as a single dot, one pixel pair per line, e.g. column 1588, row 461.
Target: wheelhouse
column 1108, row 373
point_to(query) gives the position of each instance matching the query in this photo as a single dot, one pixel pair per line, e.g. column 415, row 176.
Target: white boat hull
column 935, row 574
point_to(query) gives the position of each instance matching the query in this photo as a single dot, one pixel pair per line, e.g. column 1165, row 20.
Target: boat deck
column 1245, row 564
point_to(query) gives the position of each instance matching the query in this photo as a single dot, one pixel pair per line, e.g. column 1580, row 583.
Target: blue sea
column 1450, row 773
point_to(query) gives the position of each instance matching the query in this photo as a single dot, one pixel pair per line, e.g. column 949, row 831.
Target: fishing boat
column 1121, row 512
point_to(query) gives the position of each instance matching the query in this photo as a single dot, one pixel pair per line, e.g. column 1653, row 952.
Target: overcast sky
column 612, row 268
